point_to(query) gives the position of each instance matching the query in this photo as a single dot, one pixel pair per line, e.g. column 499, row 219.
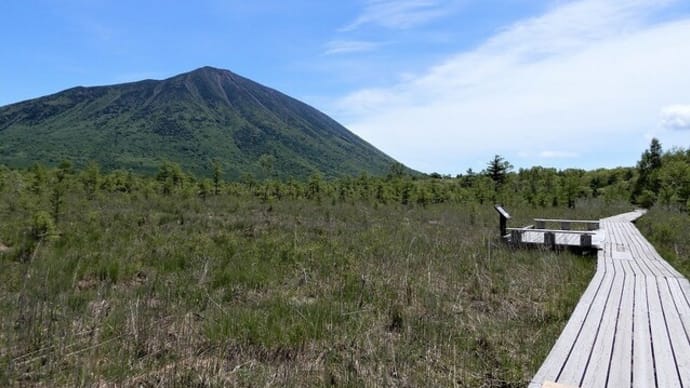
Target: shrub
column 43, row 226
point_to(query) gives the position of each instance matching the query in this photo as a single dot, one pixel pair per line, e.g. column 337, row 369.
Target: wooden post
column 586, row 240
column 550, row 239
column 516, row 237
column 503, row 219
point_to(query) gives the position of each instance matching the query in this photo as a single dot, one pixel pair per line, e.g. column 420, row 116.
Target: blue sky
column 441, row 85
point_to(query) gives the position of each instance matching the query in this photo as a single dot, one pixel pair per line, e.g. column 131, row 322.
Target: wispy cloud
column 401, row 14
column 558, row 154
column 676, row 117
column 350, row 46
column 586, row 73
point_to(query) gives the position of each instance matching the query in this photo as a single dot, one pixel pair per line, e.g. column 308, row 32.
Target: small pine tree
column 217, row 173
column 396, row 170
column 498, row 169
column 91, row 179
column 648, row 178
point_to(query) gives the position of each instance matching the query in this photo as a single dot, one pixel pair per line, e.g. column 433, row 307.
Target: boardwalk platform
column 562, row 239
column 631, row 327
column 589, row 237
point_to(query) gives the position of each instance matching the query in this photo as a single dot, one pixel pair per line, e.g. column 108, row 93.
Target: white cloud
column 676, row 117
column 587, row 74
column 558, row 154
column 350, row 46
column 401, row 14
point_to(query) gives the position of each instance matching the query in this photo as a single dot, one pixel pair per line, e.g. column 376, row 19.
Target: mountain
column 191, row 119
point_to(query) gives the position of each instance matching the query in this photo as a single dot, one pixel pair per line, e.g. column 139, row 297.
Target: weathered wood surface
column 563, row 237
column 631, row 327
column 566, row 223
column 567, row 220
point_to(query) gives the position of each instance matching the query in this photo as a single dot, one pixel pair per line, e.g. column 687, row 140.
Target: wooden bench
column 566, row 224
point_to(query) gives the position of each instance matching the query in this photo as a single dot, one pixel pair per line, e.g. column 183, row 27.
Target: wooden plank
column 623, row 244
column 643, row 375
column 684, row 286
column 549, row 384
column 664, row 357
column 596, row 371
column 620, row 366
column 567, row 220
column 677, row 330
column 642, row 269
column 578, row 361
column 651, row 254
column 638, row 245
column 559, row 231
column 532, row 236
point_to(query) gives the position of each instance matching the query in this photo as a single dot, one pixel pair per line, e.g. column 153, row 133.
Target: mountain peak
column 192, row 118
column 208, row 70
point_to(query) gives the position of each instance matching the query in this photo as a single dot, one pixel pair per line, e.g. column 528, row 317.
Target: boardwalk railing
column 527, row 234
column 566, row 224
column 550, row 237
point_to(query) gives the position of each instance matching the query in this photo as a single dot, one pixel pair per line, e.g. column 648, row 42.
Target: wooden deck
column 564, row 238
column 631, row 327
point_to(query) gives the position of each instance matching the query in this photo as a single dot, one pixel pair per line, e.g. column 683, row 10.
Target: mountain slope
column 191, row 119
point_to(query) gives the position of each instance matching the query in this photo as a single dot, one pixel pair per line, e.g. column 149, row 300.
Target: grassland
column 139, row 288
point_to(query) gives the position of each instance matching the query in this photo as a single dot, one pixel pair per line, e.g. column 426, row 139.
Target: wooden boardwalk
column 631, row 327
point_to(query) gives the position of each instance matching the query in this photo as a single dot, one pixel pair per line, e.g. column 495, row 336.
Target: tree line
column 659, row 178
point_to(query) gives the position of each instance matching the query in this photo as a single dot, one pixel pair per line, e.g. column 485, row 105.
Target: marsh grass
column 668, row 229
column 161, row 291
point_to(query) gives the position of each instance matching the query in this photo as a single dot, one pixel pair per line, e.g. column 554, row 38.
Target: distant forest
column 660, row 177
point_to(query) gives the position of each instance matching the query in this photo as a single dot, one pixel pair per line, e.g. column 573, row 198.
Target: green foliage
column 267, row 161
column 663, row 178
column 217, row 176
column 668, row 228
column 171, row 177
column 40, row 177
column 646, row 199
column 91, row 179
column 396, row 170
column 497, row 169
column 43, row 226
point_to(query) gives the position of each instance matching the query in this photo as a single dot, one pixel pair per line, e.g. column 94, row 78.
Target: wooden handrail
column 590, row 232
column 563, row 220
column 566, row 224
